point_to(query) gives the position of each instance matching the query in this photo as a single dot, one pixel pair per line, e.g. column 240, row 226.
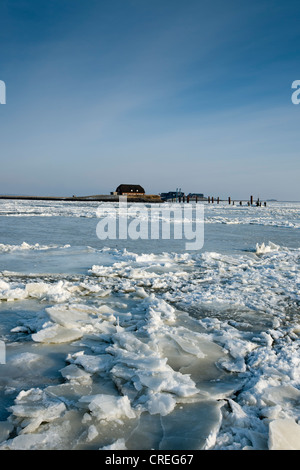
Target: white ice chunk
column 105, row 309
column 72, row 372
column 261, row 249
column 66, row 317
column 4, row 285
column 169, row 381
column 35, row 407
column 161, row 403
column 159, row 312
column 60, row 291
column 140, row 292
column 230, row 365
column 93, row 364
column 282, row 394
column 284, row 434
column 108, row 407
column 56, row 334
column 24, row 442
column 11, row 292
column 188, row 341
column 92, row 433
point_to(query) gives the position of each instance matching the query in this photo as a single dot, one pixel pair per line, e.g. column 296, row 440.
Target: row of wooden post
column 250, row 202
column 185, row 199
column 211, row 199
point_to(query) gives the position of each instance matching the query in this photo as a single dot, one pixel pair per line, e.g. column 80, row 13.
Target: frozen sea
column 141, row 344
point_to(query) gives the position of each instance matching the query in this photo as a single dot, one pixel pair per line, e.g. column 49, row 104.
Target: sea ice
column 67, row 316
column 261, row 249
column 5, row 429
column 284, row 434
column 193, row 426
column 150, row 375
column 34, row 406
column 24, row 442
column 74, row 373
column 92, row 364
column 160, row 403
column 108, row 407
column 56, row 334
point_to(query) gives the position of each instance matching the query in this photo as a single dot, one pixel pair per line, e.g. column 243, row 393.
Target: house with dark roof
column 130, row 189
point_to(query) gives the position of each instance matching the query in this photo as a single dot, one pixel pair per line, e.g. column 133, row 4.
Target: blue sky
column 166, row 94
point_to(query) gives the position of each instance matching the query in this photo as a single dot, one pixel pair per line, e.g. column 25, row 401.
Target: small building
column 199, row 195
column 171, row 195
column 130, row 189
column 196, row 196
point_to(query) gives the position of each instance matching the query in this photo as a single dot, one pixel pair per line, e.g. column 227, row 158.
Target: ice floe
column 154, row 350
